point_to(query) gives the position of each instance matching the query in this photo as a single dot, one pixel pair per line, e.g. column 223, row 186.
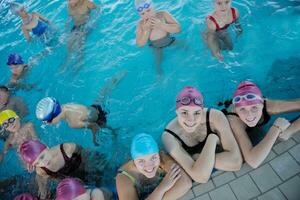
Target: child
column 155, row 27
column 34, row 22
column 78, row 116
column 216, row 36
column 18, row 133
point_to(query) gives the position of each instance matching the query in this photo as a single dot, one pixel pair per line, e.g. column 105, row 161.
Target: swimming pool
column 267, row 52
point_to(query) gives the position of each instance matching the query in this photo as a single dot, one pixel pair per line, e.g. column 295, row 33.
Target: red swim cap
column 193, row 96
column 30, row 150
column 247, row 87
column 69, row 188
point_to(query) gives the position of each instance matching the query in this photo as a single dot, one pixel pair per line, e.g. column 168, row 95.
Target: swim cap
column 30, row 150
column 47, row 109
column 14, row 59
column 140, row 5
column 15, row 7
column 143, row 144
column 25, row 196
column 6, row 114
column 189, row 96
column 68, row 189
column 247, row 87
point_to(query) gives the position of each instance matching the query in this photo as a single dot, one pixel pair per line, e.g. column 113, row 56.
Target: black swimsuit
column 71, row 165
column 198, row 147
column 253, row 132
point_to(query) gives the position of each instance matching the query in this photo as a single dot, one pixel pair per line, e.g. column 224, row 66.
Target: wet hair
column 4, row 88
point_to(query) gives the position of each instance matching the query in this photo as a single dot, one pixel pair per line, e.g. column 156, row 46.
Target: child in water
column 155, row 27
column 93, row 117
column 34, row 22
column 18, row 133
column 216, row 36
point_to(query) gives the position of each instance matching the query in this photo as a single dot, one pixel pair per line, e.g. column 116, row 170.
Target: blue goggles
column 144, row 7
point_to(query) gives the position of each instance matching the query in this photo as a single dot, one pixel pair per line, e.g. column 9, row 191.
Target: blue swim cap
column 143, row 144
column 47, row 109
column 14, row 59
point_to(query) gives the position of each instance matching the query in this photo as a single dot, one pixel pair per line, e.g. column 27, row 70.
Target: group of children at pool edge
column 197, row 142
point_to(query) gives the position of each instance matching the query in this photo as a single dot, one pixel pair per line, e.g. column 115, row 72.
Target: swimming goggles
column 188, row 100
column 9, row 121
column 144, row 7
column 247, row 97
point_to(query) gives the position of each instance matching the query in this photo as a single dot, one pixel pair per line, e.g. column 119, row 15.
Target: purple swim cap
column 189, row 96
column 30, row 150
column 68, row 189
column 244, row 88
column 14, row 59
column 25, row 196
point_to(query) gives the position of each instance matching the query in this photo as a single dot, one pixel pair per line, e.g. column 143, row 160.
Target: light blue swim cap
column 15, row 7
column 47, row 109
column 143, row 144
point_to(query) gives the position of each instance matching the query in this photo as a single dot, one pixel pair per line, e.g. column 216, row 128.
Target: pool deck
column 277, row 178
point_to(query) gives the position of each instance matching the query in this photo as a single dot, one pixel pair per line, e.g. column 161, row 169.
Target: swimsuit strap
column 184, row 146
column 233, row 14
column 207, row 122
column 214, row 21
column 128, row 175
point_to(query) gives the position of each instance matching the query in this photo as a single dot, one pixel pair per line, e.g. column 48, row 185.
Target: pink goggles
column 248, row 97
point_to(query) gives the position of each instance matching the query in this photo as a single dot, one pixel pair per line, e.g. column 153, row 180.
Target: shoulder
column 69, row 148
column 210, row 23
column 29, row 125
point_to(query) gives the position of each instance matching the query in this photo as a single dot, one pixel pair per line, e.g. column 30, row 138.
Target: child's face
column 44, row 159
column 251, row 114
column 147, row 13
column 16, row 69
column 14, row 126
column 222, row 5
column 189, row 117
column 148, row 164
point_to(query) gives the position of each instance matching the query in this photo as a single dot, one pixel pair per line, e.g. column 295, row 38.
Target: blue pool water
column 267, row 52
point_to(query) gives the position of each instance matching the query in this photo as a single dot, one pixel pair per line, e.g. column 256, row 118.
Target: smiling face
column 14, row 126
column 44, row 159
column 222, row 5
column 148, row 164
column 189, row 117
column 251, row 114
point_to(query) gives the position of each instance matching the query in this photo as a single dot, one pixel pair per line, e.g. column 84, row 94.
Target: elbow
column 252, row 162
column 238, row 161
column 200, row 177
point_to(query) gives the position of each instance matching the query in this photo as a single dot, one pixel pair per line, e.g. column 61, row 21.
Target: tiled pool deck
column 278, row 178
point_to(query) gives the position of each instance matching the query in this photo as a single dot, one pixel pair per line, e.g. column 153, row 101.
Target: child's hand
column 156, row 23
column 147, row 25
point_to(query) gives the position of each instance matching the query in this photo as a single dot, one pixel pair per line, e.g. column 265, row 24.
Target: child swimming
column 93, row 117
column 35, row 23
column 155, row 27
column 216, row 36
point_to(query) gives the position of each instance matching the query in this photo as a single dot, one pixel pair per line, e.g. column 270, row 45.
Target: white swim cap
column 47, row 109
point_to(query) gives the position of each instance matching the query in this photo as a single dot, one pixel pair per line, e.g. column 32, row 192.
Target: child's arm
column 41, row 17
column 26, row 34
column 143, row 32
column 237, row 25
column 171, row 25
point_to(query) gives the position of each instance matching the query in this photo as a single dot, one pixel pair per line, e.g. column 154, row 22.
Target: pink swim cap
column 31, row 149
column 192, row 95
column 69, row 188
column 247, row 87
column 25, row 196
